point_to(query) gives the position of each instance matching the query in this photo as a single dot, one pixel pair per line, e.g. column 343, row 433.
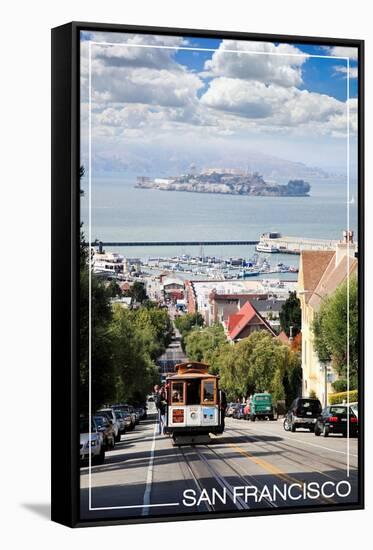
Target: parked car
column 303, row 413
column 238, row 411
column 126, row 418
column 246, row 411
column 91, row 443
column 333, row 420
column 120, row 420
column 130, row 409
column 355, row 409
column 261, row 406
column 135, row 412
column 230, row 409
column 106, row 428
column 127, row 410
column 141, row 411
column 113, row 417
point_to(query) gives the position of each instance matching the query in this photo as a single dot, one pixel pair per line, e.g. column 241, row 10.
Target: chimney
column 348, row 237
column 346, row 246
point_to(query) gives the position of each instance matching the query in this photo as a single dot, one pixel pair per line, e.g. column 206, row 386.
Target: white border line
column 183, row 48
column 90, row 269
column 146, row 504
column 348, row 267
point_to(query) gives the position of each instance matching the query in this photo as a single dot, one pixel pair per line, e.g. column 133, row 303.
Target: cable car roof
column 190, row 375
column 192, row 369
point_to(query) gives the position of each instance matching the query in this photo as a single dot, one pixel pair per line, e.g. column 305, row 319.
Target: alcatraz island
column 227, row 182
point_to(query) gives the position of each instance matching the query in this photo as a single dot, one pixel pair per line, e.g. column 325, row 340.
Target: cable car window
column 177, row 392
column 208, row 392
column 193, row 392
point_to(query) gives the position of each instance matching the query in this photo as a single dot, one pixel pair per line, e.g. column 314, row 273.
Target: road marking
column 149, row 476
column 267, row 466
column 270, row 468
column 306, row 442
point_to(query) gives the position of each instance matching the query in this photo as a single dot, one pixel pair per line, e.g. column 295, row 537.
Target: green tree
column 201, row 344
column 332, row 327
column 135, row 370
column 291, row 315
column 185, row 323
column 259, row 363
column 102, row 364
column 137, row 292
column 113, row 289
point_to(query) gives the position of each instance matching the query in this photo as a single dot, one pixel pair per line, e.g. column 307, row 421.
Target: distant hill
column 161, row 163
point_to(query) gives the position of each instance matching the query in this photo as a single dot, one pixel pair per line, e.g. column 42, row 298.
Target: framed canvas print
column 207, row 275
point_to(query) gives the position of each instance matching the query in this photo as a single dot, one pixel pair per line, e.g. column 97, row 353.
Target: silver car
column 91, row 443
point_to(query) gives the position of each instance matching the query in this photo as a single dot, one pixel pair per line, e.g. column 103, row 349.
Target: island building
column 320, row 274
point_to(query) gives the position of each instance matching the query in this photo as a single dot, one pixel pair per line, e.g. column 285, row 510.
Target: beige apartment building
column 320, row 274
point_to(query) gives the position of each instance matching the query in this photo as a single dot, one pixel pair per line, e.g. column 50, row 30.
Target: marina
column 188, row 266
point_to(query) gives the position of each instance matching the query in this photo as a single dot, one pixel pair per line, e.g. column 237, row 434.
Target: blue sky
column 163, row 96
column 319, row 74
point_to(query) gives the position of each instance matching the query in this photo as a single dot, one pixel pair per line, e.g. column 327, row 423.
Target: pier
column 281, row 244
column 174, row 243
column 295, row 245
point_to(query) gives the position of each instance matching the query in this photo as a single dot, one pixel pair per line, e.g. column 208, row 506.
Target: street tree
column 259, row 363
column 291, row 315
column 331, row 325
column 201, row 344
column 185, row 323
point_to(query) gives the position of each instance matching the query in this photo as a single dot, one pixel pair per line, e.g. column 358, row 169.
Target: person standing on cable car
column 161, row 404
column 223, row 407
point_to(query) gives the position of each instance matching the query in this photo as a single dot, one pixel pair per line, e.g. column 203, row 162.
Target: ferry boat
column 108, row 263
column 266, row 247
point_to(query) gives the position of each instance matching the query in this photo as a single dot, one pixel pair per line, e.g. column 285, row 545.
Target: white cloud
column 144, row 100
column 148, row 86
column 122, row 74
column 249, row 99
column 342, row 51
column 274, row 106
column 266, row 63
column 352, row 72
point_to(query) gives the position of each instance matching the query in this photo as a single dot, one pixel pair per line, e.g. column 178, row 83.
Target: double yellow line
column 271, row 469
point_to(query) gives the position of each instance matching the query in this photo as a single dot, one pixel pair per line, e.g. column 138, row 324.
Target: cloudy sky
column 160, row 104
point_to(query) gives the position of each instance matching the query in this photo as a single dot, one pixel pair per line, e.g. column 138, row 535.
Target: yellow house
column 320, row 273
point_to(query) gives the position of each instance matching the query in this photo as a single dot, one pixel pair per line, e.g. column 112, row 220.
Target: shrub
column 335, row 398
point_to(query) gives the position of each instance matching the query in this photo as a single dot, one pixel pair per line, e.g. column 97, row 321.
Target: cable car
column 193, row 404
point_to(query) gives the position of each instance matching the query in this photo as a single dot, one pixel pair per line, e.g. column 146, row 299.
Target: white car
column 91, row 443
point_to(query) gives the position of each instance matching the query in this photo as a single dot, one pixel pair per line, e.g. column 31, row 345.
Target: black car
column 303, row 413
column 333, row 420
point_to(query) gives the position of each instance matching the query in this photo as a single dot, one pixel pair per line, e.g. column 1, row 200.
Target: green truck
column 261, row 407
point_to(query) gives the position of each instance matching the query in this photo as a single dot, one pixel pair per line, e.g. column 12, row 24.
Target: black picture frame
column 65, row 264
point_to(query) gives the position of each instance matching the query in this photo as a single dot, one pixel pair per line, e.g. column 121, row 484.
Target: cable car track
column 245, row 477
column 218, row 477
